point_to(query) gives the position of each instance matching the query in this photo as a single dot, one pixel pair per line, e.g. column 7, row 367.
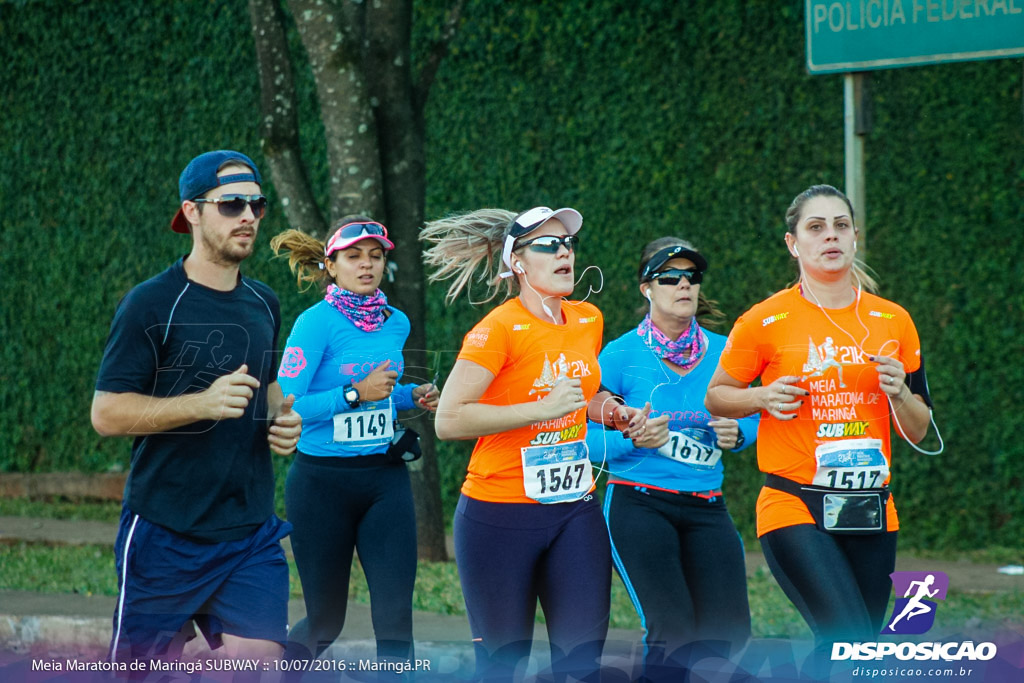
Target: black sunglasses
column 232, row 205
column 550, row 244
column 672, row 276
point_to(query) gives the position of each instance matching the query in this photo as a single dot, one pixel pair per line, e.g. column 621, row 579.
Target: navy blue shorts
column 166, row 580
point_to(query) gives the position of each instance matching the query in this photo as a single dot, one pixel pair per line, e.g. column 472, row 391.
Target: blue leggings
column 839, row 583
column 338, row 505
column 512, row 554
column 682, row 562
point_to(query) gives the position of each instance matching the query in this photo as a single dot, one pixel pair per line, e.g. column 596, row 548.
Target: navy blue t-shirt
column 209, row 480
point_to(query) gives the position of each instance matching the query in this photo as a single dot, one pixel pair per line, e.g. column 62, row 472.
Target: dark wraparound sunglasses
column 671, row 277
column 232, row 205
column 550, row 244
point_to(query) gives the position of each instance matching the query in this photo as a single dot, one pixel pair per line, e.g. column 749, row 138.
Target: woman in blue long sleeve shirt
column 673, row 542
column 344, row 492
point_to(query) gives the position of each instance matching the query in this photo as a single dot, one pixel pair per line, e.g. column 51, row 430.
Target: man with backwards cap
column 190, row 371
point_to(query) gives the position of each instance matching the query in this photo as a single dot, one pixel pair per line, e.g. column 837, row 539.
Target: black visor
column 663, row 256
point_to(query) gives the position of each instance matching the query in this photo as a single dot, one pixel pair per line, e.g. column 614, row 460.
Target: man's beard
column 226, row 253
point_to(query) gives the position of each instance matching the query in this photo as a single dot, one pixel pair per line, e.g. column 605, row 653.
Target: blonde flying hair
column 862, row 273
column 466, row 248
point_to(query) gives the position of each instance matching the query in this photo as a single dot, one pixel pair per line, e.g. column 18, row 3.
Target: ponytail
column 467, row 247
column 863, row 276
column 305, row 257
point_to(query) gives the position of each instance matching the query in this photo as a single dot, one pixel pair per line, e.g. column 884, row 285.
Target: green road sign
column 858, row 35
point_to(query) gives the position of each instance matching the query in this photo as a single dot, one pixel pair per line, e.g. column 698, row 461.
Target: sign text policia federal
column 853, row 15
column 861, row 35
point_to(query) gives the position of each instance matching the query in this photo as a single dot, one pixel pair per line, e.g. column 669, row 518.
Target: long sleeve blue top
column 325, row 352
column 631, row 370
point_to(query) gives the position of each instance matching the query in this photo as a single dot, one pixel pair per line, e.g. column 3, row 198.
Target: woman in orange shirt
column 835, row 363
column 527, row 525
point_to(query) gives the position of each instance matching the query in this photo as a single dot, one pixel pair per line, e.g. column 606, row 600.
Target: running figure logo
column 551, row 374
column 914, row 613
column 818, row 362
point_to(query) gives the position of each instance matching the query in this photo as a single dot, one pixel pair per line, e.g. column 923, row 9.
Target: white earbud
column 518, row 268
column 795, row 251
column 855, row 245
column 647, row 293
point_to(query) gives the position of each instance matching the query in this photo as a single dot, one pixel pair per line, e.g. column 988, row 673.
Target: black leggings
column 682, row 562
column 512, row 554
column 840, row 583
column 338, row 505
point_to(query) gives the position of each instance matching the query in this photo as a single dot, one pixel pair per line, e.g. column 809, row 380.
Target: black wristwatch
column 351, row 395
column 739, row 441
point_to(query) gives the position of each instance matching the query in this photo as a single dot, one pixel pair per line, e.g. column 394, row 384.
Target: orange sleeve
column 910, row 346
column 600, row 336
column 487, row 345
column 743, row 357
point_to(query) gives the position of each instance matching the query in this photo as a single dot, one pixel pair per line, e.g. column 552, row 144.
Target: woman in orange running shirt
column 835, row 362
column 527, row 526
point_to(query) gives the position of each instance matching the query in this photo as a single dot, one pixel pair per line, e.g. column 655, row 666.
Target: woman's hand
column 564, row 399
column 378, row 385
column 782, row 398
column 426, row 396
column 891, row 375
column 727, row 432
column 632, row 422
column 654, row 434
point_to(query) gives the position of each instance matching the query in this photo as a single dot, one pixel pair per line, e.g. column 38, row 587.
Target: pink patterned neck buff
column 365, row 312
column 685, row 352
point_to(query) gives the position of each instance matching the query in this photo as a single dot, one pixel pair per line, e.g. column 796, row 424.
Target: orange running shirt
column 527, row 356
column 828, row 349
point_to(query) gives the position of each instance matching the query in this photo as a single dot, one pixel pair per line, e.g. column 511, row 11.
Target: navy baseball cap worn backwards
column 200, row 176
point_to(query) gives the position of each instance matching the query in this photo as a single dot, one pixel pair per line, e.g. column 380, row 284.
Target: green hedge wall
column 691, row 118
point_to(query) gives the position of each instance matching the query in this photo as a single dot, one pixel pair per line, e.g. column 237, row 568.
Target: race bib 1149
column 370, row 424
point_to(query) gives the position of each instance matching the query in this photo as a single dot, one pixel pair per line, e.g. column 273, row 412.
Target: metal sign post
column 856, row 126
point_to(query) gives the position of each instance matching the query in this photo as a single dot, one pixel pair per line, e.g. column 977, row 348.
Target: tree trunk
column 360, row 54
column 279, row 127
column 403, row 167
column 332, row 37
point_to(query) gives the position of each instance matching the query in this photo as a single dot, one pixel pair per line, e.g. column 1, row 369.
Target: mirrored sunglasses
column 671, row 277
column 232, row 205
column 355, row 229
column 550, row 244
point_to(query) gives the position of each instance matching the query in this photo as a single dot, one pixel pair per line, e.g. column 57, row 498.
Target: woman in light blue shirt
column 348, row 488
column 673, row 542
